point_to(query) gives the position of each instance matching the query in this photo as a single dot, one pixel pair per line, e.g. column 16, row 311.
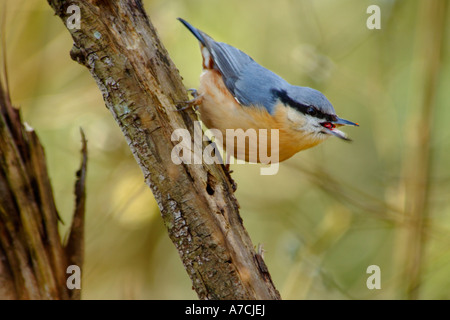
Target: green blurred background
column 330, row 212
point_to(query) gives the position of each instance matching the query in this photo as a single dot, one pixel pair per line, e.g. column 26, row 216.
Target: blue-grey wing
column 248, row 82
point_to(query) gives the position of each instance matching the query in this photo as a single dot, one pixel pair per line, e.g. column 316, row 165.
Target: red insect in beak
column 328, row 125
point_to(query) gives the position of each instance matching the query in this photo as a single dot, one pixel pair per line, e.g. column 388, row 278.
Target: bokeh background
column 331, row 211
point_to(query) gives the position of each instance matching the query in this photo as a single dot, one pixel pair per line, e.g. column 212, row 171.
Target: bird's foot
column 195, row 102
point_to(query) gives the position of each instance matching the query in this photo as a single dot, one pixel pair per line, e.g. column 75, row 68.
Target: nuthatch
column 235, row 92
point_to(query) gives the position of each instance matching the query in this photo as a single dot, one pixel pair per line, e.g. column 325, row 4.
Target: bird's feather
column 247, row 81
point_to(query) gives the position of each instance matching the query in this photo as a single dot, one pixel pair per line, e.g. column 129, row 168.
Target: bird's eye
column 311, row 111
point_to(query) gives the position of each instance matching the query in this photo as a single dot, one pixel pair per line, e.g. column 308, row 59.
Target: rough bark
column 141, row 86
column 33, row 260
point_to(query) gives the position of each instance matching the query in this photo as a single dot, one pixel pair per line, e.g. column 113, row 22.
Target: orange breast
column 251, row 132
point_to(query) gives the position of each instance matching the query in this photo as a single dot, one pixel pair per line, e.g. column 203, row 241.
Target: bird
column 244, row 101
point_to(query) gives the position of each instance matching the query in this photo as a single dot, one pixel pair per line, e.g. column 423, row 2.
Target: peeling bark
column 33, row 260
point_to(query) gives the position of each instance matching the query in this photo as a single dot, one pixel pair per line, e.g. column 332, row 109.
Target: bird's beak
column 342, row 122
column 331, row 128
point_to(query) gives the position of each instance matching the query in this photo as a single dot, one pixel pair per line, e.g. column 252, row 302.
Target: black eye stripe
column 310, row 110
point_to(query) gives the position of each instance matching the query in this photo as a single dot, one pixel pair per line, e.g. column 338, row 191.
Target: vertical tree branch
column 33, row 262
column 431, row 31
column 140, row 86
column 74, row 248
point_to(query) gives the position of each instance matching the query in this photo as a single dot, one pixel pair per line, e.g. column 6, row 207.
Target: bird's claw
column 195, row 102
column 193, row 92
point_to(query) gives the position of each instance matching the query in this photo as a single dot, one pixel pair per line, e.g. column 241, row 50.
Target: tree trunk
column 141, row 86
column 33, row 260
